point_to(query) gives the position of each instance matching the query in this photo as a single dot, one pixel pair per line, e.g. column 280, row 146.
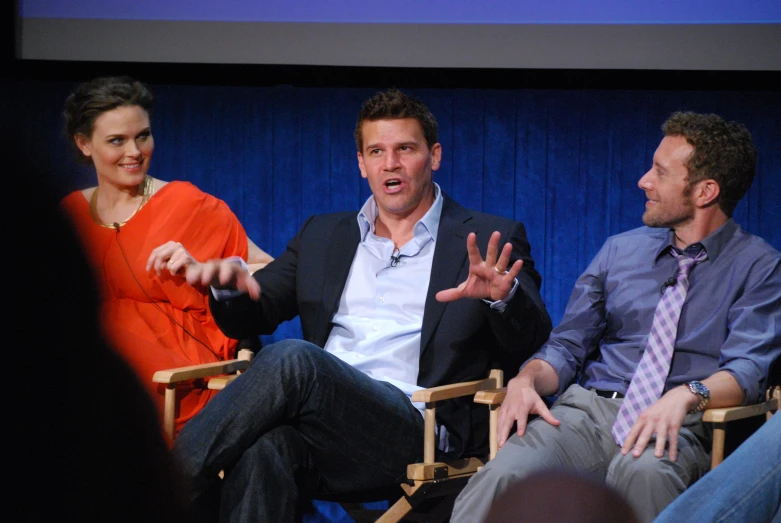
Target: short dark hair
column 89, row 100
column 393, row 104
column 723, row 151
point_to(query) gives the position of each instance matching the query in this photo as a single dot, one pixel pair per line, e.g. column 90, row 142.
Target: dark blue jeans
column 297, row 423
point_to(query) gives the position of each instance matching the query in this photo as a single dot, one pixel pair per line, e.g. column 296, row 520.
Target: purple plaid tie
column 648, row 380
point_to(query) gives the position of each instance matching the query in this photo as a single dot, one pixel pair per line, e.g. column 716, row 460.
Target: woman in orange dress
column 141, row 234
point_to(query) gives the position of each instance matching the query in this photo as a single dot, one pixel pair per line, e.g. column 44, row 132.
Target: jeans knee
column 281, row 452
column 288, row 353
column 283, row 442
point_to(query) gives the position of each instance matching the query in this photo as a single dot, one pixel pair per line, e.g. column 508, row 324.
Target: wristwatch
column 701, row 391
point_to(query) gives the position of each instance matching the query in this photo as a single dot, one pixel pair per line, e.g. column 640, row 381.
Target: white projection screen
column 716, row 35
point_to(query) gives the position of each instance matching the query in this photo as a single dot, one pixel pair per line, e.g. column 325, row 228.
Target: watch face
column 699, row 389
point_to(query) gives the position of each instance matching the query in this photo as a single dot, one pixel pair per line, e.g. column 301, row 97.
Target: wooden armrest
column 446, row 392
column 726, row 414
column 720, row 417
column 173, row 376
column 199, row 371
column 204, row 370
column 220, row 382
column 455, row 390
column 491, row 397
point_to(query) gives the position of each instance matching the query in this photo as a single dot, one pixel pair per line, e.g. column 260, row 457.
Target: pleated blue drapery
column 564, row 162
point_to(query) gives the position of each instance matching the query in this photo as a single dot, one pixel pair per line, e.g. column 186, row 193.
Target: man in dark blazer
column 391, row 299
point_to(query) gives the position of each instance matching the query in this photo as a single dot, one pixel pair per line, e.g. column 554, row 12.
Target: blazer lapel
column 449, row 256
column 339, row 255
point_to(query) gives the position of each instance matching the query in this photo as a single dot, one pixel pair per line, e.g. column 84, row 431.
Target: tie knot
column 685, row 263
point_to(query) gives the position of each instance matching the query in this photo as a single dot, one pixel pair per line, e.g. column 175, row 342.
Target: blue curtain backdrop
column 564, row 162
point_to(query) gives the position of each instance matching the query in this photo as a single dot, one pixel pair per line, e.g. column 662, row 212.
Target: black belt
column 608, row 394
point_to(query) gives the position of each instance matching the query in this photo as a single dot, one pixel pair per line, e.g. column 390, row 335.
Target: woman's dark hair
column 91, row 99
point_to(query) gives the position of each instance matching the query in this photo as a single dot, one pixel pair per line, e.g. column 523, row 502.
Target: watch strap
column 701, row 391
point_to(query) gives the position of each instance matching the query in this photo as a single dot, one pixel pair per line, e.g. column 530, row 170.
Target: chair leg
column 397, row 512
column 169, row 412
column 717, row 450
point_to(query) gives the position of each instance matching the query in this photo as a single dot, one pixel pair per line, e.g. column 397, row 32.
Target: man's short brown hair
column 723, row 151
column 393, row 104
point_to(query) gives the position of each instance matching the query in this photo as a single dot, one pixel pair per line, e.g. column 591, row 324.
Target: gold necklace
column 93, row 204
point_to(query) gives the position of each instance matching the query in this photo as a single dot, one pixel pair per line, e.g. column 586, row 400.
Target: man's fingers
column 503, row 262
column 520, row 429
column 195, row 274
column 503, row 429
column 642, row 440
column 448, row 295
column 253, row 288
column 471, row 248
column 245, row 282
column 192, row 273
column 672, row 433
column 630, row 439
column 547, row 415
column 208, row 274
column 451, row 294
column 661, row 439
column 229, row 274
column 493, row 250
column 225, row 275
column 515, row 270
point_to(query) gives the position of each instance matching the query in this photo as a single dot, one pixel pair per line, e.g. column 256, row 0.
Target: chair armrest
column 491, row 397
column 173, row 376
column 726, row 414
column 199, row 371
column 204, row 370
column 455, row 390
column 720, row 416
column 220, row 382
column 445, row 392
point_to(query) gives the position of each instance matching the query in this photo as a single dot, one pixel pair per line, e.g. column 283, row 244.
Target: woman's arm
column 257, row 258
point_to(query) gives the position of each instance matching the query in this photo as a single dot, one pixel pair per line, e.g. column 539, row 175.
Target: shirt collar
column 713, row 244
column 427, row 226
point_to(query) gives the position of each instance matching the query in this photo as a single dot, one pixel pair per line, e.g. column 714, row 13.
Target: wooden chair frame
column 431, row 479
column 173, row 376
column 720, row 418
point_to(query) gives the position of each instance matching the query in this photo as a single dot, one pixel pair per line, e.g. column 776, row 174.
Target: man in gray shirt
column 727, row 336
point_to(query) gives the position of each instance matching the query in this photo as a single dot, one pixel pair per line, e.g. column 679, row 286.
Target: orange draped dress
column 161, row 322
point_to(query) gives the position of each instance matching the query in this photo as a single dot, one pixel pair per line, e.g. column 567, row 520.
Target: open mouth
column 392, row 183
